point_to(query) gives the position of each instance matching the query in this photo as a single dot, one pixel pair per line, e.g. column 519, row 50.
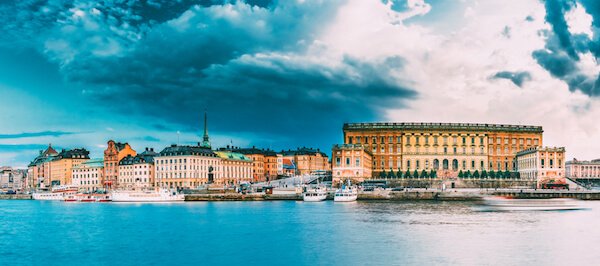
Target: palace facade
column 445, row 147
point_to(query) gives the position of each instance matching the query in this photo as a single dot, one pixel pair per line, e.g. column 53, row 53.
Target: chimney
column 151, row 149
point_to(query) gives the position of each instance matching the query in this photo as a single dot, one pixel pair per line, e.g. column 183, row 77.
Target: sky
column 287, row 74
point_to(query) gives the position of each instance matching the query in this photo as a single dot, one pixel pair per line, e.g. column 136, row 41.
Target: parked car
column 398, row 189
column 11, row 192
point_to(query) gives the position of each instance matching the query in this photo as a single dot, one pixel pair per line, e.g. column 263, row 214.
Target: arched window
column 436, row 164
column 454, row 164
column 445, row 164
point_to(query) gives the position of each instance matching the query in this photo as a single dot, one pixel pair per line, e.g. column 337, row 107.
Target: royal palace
column 446, row 148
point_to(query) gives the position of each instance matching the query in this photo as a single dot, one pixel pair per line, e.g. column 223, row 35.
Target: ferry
column 88, row 198
column 57, row 193
column 161, row 195
column 315, row 194
column 497, row 203
column 347, row 193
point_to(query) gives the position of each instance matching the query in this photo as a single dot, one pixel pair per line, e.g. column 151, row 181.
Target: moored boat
column 347, row 193
column 57, row 193
column 511, row 204
column 160, row 195
column 315, row 194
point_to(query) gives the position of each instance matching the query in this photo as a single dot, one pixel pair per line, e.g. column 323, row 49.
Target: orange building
column 61, row 167
column 352, row 161
column 38, row 170
column 112, row 155
column 307, row 160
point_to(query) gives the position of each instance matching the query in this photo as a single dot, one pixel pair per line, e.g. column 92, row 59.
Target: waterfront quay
column 411, row 194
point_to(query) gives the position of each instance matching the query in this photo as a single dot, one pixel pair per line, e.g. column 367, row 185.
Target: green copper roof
column 232, row 156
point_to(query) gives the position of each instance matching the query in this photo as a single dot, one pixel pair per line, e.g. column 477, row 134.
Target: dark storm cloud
column 563, row 49
column 253, row 65
column 36, row 134
column 518, row 78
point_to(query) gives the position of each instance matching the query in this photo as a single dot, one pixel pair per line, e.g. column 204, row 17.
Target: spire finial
column 205, row 139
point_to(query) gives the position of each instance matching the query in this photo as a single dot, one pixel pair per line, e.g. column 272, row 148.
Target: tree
column 391, row 174
column 399, row 174
column 424, row 174
column 518, row 175
column 432, row 174
column 476, row 174
column 507, row 174
column 492, row 174
column 416, row 174
column 461, row 174
column 469, row 175
column 484, row 174
column 382, row 174
column 407, row 174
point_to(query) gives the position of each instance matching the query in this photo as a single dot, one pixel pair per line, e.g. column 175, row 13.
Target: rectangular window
column 349, row 140
column 464, row 140
column 348, row 161
column 357, row 162
column 417, row 140
column 418, row 164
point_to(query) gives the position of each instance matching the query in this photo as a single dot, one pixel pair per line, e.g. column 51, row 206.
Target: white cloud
column 451, row 71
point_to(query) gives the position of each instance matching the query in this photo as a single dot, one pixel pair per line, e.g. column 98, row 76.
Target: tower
column 205, row 141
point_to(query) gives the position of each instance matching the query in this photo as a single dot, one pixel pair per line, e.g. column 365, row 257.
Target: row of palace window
column 338, row 161
column 455, row 140
column 390, row 139
column 445, row 164
column 427, row 150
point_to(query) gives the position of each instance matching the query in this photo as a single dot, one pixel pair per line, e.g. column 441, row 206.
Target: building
column 288, row 166
column 61, row 166
column 137, row 172
column 38, row 171
column 236, row 168
column 544, row 165
column 87, row 176
column 351, row 161
column 444, row 147
column 583, row 171
column 307, row 160
column 114, row 153
column 12, row 179
column 186, row 167
column 266, row 164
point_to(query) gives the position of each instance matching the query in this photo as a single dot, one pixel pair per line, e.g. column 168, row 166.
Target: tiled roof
column 228, row 155
column 175, row 150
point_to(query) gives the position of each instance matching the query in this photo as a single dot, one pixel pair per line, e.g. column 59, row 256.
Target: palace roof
column 442, row 126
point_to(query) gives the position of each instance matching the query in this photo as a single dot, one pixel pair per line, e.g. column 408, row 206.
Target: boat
column 57, row 193
column 88, row 198
column 497, row 203
column 160, row 195
column 315, row 194
column 347, row 193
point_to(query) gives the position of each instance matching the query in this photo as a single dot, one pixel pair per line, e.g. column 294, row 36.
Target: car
column 11, row 192
column 398, row 189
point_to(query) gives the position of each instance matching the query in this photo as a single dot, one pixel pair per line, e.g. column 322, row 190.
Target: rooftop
column 176, row 150
column 442, row 126
column 541, row 149
column 235, row 156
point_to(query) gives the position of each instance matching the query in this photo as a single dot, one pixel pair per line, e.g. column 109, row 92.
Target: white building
column 236, row 168
column 187, row 167
column 543, row 165
column 137, row 172
column 88, row 175
column 583, row 169
column 12, row 179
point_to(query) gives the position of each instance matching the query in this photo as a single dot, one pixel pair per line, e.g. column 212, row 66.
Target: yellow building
column 352, row 161
column 444, row 147
column 114, row 153
column 61, row 172
column 543, row 165
column 236, row 168
column 39, row 169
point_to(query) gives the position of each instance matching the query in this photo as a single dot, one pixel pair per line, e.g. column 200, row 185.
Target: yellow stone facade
column 542, row 164
column 445, row 147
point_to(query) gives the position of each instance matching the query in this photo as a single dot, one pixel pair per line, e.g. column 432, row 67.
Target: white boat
column 57, row 193
column 88, row 198
column 510, row 204
column 347, row 193
column 160, row 195
column 315, row 194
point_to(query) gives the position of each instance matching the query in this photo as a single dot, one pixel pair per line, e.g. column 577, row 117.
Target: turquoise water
column 292, row 233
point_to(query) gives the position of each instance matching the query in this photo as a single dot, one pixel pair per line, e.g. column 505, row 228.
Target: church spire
column 205, row 140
